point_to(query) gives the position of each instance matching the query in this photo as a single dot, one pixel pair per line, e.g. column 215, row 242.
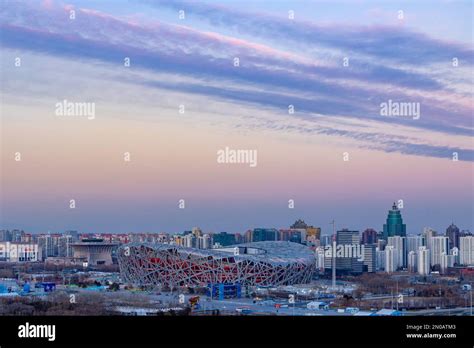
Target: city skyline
column 443, row 231
column 124, row 107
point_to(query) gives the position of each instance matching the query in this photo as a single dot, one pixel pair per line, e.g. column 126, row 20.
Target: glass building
column 394, row 225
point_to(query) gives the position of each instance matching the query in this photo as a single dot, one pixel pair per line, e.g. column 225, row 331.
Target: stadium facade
column 268, row 263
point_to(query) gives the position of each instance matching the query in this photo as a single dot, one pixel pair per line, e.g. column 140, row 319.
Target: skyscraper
column 452, row 232
column 394, row 225
column 391, row 259
column 380, row 259
column 428, row 234
column 423, row 262
column 400, row 246
column 369, row 236
column 414, row 243
column 412, row 258
column 204, row 241
column 370, row 257
column 350, row 242
column 438, row 247
column 466, row 251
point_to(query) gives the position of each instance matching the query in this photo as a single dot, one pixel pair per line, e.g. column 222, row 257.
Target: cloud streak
column 267, row 76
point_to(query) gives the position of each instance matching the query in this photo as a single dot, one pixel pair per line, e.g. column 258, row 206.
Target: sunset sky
column 399, row 56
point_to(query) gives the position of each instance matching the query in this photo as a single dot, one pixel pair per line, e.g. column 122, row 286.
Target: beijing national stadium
column 268, row 263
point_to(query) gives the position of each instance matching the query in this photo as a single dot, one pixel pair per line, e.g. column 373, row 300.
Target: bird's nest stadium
column 254, row 264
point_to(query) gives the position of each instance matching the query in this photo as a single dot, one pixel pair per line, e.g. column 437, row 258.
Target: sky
column 306, row 96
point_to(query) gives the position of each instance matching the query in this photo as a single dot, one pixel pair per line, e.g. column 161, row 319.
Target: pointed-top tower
column 394, row 225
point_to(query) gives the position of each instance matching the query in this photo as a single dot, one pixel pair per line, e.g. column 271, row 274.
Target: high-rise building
column 399, row 244
column 16, row 235
column 380, row 264
column 248, row 236
column 204, row 241
column 428, row 234
column 5, row 236
column 189, row 241
column 295, row 235
column 369, row 236
column 370, row 257
column 46, row 246
column 263, row 234
column 74, row 234
column 439, row 245
column 394, row 225
column 326, row 240
column 391, row 259
column 453, row 234
column 414, row 243
column 455, row 252
column 381, row 243
column 412, row 261
column 320, row 261
column 350, row 261
column 423, row 261
column 64, row 246
column 239, row 238
column 223, row 239
column 443, row 266
column 466, row 251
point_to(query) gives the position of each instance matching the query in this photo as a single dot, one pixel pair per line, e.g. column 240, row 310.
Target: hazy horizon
column 306, row 94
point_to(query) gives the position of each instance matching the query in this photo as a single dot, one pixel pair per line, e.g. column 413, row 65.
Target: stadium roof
column 275, row 252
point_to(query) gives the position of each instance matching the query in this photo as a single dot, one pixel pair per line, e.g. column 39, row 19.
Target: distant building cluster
column 393, row 249
column 350, row 252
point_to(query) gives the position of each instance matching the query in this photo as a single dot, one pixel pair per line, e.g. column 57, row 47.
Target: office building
column 189, row 240
column 370, row 258
column 204, row 241
column 439, row 245
column 380, row 263
column 320, row 260
column 296, row 235
column 369, row 236
column 399, row 244
column 394, row 225
column 349, row 253
column 453, row 234
column 223, row 239
column 264, row 234
column 391, row 259
column 423, row 261
column 412, row 261
column 428, row 234
column 413, row 243
column 466, row 251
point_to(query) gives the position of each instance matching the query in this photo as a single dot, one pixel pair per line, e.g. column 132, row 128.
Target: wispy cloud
column 385, row 65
